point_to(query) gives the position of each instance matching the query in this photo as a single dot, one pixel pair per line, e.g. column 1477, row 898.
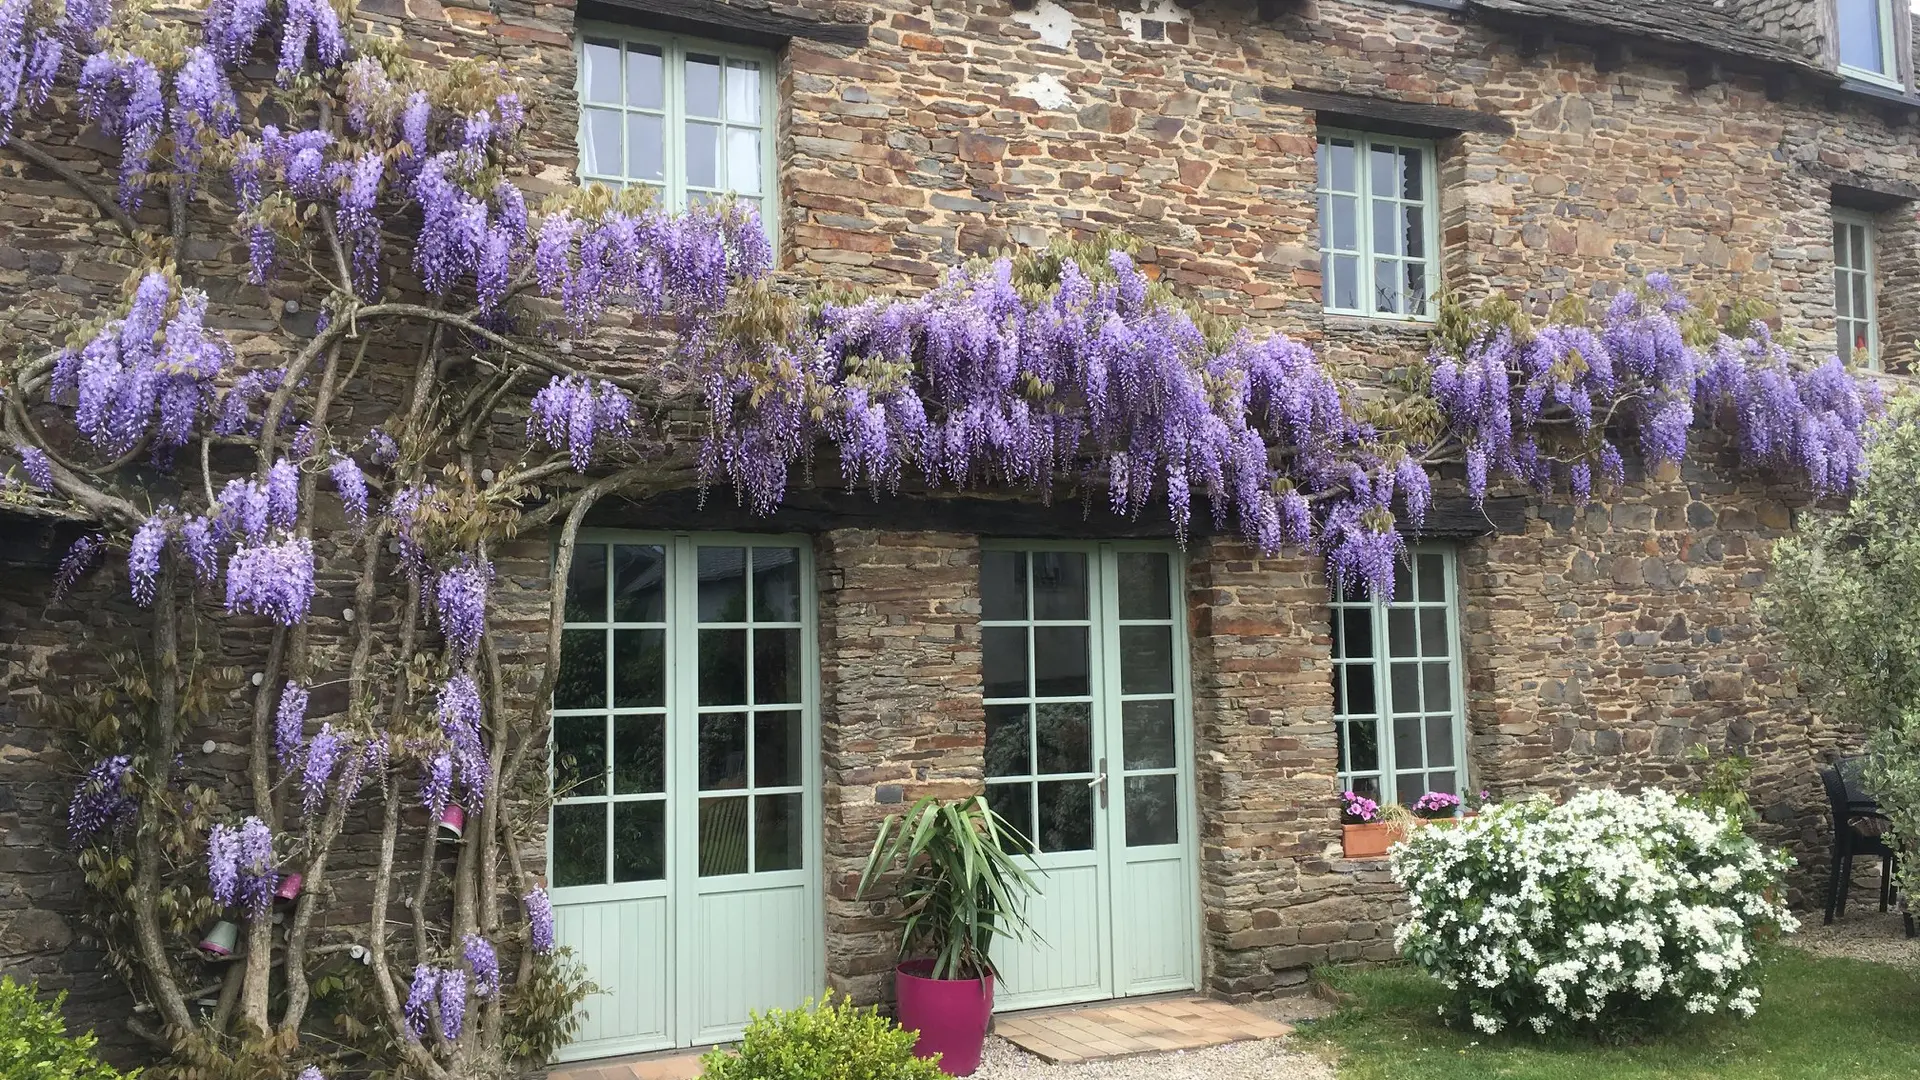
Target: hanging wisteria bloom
column 461, row 712
column 453, row 1001
column 100, row 802
column 283, row 494
column 240, row 866
column 539, row 920
column 460, row 595
column 351, row 483
column 421, row 1000
column 581, row 417
column 38, row 467
column 143, row 557
column 274, row 580
column 323, row 756
column 289, row 724
column 79, row 559
column 485, row 964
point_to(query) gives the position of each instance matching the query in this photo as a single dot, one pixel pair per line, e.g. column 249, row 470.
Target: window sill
column 1871, row 84
column 1347, row 323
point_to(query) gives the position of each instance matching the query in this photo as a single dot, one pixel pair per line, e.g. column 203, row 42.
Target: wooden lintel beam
column 1441, row 119
column 750, row 24
column 1701, row 76
column 1534, row 43
column 1611, row 56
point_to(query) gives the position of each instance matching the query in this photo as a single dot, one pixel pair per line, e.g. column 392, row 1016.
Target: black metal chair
column 1854, row 815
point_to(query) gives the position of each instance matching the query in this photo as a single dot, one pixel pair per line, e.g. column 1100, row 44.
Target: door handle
column 1101, row 783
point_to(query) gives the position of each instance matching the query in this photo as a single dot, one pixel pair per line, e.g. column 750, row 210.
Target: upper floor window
column 689, row 118
column 1397, row 685
column 1853, row 299
column 1378, row 218
column 1866, row 38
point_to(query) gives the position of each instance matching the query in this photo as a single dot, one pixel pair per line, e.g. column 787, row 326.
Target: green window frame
column 1865, row 34
column 1855, row 307
column 691, row 118
column 1379, row 225
column 1398, row 690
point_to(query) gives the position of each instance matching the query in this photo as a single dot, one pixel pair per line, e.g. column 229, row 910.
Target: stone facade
column 1599, row 644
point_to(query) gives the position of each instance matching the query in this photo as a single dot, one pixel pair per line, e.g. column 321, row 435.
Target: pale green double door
column 1089, row 754
column 684, row 844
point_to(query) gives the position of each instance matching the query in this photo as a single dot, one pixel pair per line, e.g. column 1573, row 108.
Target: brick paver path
column 1081, row 1034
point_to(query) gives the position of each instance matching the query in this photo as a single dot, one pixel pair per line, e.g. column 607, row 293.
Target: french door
column 683, row 849
column 1088, row 755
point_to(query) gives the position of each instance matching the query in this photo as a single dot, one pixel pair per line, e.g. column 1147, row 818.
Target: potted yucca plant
column 963, row 886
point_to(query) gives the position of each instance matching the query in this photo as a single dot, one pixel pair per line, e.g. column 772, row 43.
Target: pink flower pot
column 289, row 888
column 951, row 1015
column 453, row 821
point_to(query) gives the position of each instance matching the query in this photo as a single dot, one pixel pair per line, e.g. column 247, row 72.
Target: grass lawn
column 1818, row 1018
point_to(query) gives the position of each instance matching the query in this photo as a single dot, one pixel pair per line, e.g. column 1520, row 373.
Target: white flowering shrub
column 1604, row 908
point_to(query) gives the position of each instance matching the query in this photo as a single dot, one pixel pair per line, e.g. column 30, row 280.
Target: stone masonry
column 1600, row 644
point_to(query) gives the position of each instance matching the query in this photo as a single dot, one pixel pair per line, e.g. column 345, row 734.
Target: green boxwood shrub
column 34, row 1044
column 828, row 1041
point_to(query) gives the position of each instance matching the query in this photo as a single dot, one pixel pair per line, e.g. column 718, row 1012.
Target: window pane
column 1400, row 639
column 1066, row 815
column 1363, row 745
column 1356, row 636
column 703, row 85
column 776, row 584
column 723, row 585
column 1345, row 223
column 776, row 667
column 723, row 667
column 723, row 751
column 1003, row 585
column 1842, row 294
column 723, row 836
column 1842, row 254
column 1413, row 186
column 776, row 833
column 582, row 682
column 1438, row 685
column 743, row 160
column 579, row 756
column 601, row 147
column 646, row 87
column 1433, row 632
column 1383, row 165
column 1406, row 688
column 1414, row 230
column 1146, row 660
column 587, row 584
column 1368, row 786
column 1843, row 345
column 743, row 91
column 640, row 840
column 639, row 755
column 646, row 147
column 1007, row 747
column 1059, row 585
column 1014, row 804
column 1153, row 810
column 1406, row 742
column 639, row 669
column 1861, row 44
column 600, row 77
column 1360, row 691
column 580, row 844
column 1003, row 661
column 1060, row 661
column 639, row 590
column 703, row 154
column 1386, row 287
column 1147, row 735
column 776, row 749
column 1433, row 577
column 1346, row 165
column 1386, row 228
column 1063, row 734
column 1416, row 288
column 1409, row 787
column 1440, row 740
column 1346, row 282
column 1862, row 306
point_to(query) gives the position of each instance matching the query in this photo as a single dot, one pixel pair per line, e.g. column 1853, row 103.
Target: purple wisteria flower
column 460, row 595
column 461, row 712
column 581, row 417
column 143, row 556
column 79, row 559
column 485, row 964
column 323, row 756
column 351, row 483
column 420, row 1000
column 539, row 920
column 304, row 22
column 240, row 866
column 283, row 494
column 38, row 467
column 436, row 783
column 273, row 579
column 311, row 1072
column 453, row 1001
column 289, row 724
column 100, row 801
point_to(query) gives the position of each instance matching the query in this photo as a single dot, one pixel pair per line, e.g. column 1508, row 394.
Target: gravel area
column 1863, row 933
column 1266, row 1059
